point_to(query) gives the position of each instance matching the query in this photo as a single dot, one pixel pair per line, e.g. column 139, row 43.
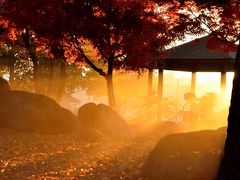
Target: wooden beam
column 200, row 65
column 193, row 82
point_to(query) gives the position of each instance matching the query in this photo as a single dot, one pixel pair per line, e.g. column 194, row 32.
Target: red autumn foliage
column 114, row 28
column 119, row 34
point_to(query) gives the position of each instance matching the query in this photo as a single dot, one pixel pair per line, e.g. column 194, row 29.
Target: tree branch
column 201, row 21
column 102, row 53
column 87, row 60
column 30, row 48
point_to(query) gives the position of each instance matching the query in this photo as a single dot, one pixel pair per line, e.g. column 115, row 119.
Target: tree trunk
column 32, row 53
column 108, row 76
column 111, row 95
column 61, row 82
column 50, row 88
column 230, row 164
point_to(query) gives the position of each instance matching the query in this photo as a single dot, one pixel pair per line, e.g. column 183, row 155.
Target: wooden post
column 160, row 84
column 193, row 82
column 150, row 81
column 223, row 82
column 160, row 92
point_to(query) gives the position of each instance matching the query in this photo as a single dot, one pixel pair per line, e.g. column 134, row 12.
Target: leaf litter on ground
column 34, row 156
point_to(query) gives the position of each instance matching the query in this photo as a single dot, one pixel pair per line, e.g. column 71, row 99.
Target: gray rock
column 104, row 119
column 29, row 112
column 4, row 86
column 186, row 156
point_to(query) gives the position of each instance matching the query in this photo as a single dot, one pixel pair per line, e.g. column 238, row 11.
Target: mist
column 98, row 142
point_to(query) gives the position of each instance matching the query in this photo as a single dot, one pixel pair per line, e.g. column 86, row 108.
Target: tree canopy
column 106, row 35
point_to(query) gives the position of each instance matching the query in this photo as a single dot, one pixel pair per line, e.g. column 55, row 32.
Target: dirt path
column 67, row 157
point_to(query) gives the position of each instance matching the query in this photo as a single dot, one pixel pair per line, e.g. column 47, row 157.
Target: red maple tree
column 106, row 35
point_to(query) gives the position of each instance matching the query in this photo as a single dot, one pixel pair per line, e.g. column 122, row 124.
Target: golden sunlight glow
column 205, row 81
column 208, row 82
column 182, row 75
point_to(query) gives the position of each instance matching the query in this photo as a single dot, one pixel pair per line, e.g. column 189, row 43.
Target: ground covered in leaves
column 32, row 156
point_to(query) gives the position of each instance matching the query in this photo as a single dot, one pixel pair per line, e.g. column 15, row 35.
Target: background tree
column 44, row 67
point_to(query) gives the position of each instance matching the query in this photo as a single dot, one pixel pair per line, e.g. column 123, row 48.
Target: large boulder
column 103, row 119
column 29, row 112
column 186, row 156
column 4, row 86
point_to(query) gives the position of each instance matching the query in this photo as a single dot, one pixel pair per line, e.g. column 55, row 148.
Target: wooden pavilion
column 195, row 57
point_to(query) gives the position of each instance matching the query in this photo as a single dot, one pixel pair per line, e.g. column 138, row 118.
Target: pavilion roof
column 195, row 56
column 197, row 49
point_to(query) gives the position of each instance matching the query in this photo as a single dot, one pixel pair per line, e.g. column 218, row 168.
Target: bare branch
column 201, row 21
column 102, row 53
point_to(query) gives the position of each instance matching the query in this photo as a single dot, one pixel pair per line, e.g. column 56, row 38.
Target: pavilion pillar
column 160, row 91
column 150, row 81
column 193, row 82
column 160, row 84
column 223, row 82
